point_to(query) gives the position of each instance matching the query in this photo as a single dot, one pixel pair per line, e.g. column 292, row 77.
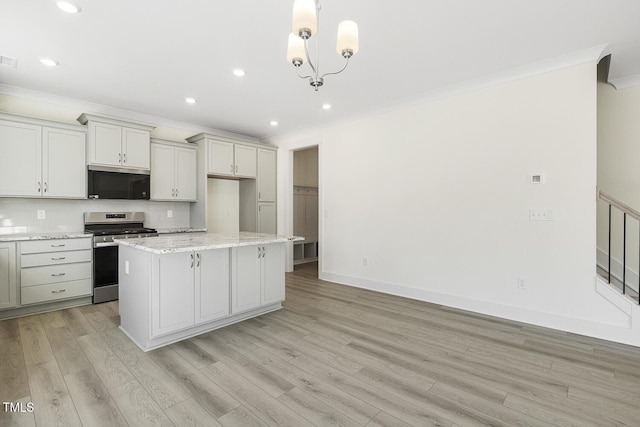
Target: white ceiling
column 148, row 55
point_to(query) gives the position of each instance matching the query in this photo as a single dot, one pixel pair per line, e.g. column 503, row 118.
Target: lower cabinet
column 52, row 270
column 8, row 286
column 191, row 288
column 257, row 276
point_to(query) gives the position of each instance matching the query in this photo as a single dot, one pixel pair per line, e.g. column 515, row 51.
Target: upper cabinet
column 41, row 159
column 173, row 171
column 117, row 143
column 230, row 159
column 266, row 175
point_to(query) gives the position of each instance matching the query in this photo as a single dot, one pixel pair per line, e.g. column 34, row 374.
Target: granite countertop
column 43, row 236
column 187, row 242
column 181, row 230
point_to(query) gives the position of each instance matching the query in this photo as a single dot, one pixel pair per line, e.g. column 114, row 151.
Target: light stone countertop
column 43, row 236
column 181, row 230
column 187, row 242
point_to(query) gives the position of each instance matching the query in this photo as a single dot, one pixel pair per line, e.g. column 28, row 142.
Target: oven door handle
column 105, row 244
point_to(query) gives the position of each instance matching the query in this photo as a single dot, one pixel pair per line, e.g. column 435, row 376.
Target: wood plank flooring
column 334, row 355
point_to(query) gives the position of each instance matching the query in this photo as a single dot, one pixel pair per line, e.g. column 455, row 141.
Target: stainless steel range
column 106, row 226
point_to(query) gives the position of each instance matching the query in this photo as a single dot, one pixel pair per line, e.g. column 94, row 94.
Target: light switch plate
column 540, row 215
column 42, row 214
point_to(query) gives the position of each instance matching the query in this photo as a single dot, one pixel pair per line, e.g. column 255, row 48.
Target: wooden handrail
column 619, row 205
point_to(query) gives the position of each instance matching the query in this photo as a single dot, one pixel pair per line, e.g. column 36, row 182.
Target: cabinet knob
column 124, row 158
column 39, row 187
column 198, row 258
column 60, row 258
column 191, row 260
column 45, row 187
column 119, row 157
column 59, row 291
column 176, row 192
column 58, row 274
column 236, row 168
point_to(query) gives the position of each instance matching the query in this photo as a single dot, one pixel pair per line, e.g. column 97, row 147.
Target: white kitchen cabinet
column 267, row 218
column 257, row 276
column 42, row 161
column 64, row 173
column 172, row 293
column 230, row 159
column 211, row 285
column 173, row 172
column 57, row 269
column 190, row 288
column 266, row 175
column 8, row 287
column 117, row 143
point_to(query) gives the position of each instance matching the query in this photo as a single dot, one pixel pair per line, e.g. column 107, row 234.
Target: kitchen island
column 178, row 286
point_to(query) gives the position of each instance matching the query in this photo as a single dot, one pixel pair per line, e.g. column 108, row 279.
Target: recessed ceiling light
column 238, row 72
column 48, row 62
column 326, row 106
column 68, row 7
column 274, row 123
column 190, row 100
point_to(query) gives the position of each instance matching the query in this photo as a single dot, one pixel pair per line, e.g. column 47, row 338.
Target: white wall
column 439, row 205
column 619, row 172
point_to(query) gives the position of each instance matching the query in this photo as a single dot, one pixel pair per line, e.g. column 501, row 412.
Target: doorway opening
column 305, row 211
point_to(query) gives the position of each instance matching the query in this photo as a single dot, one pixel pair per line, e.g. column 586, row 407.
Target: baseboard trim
column 624, row 334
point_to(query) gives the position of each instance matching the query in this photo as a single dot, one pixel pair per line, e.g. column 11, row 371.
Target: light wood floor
column 334, row 355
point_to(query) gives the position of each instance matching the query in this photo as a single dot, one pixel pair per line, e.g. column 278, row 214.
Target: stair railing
column 626, row 211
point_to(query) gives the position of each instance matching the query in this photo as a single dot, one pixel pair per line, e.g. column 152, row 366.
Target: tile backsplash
column 19, row 215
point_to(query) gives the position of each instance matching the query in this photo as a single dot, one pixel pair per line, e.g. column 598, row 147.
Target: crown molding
column 105, row 110
column 625, row 82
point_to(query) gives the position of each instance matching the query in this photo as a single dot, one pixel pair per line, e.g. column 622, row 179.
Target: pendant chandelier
column 305, row 25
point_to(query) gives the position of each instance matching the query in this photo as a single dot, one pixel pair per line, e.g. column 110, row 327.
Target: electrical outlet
column 365, row 261
column 42, row 214
column 521, row 283
column 169, row 213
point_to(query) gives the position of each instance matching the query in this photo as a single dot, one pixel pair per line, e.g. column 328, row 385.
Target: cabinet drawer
column 53, row 258
column 39, row 246
column 55, row 274
column 55, row 291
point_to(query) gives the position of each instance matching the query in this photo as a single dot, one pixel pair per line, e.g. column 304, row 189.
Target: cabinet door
column 64, row 170
column 185, row 174
column 212, row 285
column 135, row 148
column 162, row 172
column 245, row 161
column 245, row 278
column 267, row 218
column 220, row 158
column 20, row 159
column 172, row 293
column 7, row 275
column 272, row 273
column 266, row 175
column 105, row 144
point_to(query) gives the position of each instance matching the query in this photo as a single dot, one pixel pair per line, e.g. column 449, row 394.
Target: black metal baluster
column 609, row 251
column 624, row 253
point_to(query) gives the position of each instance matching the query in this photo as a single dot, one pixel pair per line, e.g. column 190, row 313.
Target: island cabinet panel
column 245, row 278
column 172, row 293
column 272, row 274
column 257, row 276
column 211, row 285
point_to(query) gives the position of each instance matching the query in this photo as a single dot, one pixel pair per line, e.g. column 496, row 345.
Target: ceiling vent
column 8, row 62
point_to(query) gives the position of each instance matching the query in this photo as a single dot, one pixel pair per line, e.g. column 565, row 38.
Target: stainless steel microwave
column 105, row 183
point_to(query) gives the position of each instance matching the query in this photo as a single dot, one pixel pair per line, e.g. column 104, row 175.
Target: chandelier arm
column 306, row 52
column 302, row 77
column 341, row 70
